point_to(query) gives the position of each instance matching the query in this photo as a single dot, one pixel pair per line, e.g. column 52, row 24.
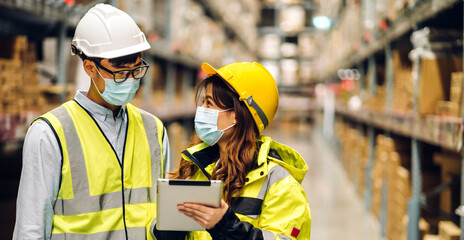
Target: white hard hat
column 107, row 32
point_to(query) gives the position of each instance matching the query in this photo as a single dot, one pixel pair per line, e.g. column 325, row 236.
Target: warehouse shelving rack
column 443, row 132
column 297, row 95
column 276, row 9
column 37, row 20
column 53, row 18
column 56, row 18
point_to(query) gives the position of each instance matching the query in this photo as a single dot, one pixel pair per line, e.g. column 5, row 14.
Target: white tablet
column 173, row 192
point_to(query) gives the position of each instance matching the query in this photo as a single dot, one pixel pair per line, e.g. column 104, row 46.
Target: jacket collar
column 204, row 155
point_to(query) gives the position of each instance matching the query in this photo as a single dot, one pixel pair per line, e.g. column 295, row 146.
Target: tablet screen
column 173, row 192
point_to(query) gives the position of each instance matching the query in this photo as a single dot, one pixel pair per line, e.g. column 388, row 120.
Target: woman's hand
column 206, row 216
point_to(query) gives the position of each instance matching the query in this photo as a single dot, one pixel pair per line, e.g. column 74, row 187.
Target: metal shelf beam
column 423, row 11
column 227, row 26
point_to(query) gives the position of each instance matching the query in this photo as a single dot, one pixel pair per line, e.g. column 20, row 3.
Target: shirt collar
column 96, row 110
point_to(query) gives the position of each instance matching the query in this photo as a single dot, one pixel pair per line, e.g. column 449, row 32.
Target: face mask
column 206, row 125
column 118, row 94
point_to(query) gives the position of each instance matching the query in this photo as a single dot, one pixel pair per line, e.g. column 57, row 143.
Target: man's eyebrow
column 123, row 66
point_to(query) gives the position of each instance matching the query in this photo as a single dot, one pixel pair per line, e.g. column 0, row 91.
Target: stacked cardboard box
column 362, row 164
column 307, row 71
column 354, row 154
column 431, row 237
column 31, row 95
column 448, row 231
column 452, row 108
column 450, row 167
column 398, row 197
column 378, row 174
column 402, row 82
column 376, row 102
column 195, row 31
column 456, row 88
column 18, row 75
column 354, row 148
column 11, row 86
column 396, row 9
column 289, row 69
column 270, row 45
column 345, row 38
column 292, row 19
column 307, row 44
column 435, row 79
column 434, row 84
column 388, row 173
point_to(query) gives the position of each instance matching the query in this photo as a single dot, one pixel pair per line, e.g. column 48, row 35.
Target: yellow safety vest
column 101, row 197
column 272, row 198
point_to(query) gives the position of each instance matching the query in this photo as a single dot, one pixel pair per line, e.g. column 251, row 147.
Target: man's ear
column 89, row 68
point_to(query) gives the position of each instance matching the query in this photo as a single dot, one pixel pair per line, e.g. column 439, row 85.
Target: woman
column 262, row 195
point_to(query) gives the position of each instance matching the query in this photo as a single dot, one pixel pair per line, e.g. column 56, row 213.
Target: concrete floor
column 337, row 212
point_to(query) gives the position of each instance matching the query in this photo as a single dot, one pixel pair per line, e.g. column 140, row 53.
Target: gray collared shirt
column 41, row 172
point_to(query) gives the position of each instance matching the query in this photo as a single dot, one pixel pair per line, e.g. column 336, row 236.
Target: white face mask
column 206, row 125
column 118, row 94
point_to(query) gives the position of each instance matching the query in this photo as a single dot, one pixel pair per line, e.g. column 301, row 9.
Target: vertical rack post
column 62, row 53
column 389, row 98
column 187, row 73
column 371, row 72
column 148, row 84
column 370, row 164
column 278, row 31
column 171, row 68
column 416, row 180
column 414, row 202
column 461, row 208
column 170, row 82
column 389, row 76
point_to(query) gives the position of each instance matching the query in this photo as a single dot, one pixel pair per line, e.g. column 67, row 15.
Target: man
column 90, row 166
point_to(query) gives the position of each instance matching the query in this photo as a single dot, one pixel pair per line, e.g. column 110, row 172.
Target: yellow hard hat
column 254, row 85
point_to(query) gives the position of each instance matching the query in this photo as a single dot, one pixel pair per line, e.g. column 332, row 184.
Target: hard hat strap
column 255, row 106
column 76, row 51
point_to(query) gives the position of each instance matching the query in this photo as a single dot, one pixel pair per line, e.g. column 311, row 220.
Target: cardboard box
column 447, row 230
column 456, row 79
column 431, row 237
column 292, row 19
column 456, row 95
column 456, row 91
column 435, row 81
column 448, row 109
column 13, row 48
column 450, row 166
column 450, row 162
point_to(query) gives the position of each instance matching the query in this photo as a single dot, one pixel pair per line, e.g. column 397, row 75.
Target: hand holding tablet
column 171, row 193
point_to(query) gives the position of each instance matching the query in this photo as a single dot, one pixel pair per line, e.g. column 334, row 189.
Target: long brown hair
column 241, row 148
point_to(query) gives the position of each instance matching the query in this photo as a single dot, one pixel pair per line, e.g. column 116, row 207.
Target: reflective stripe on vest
column 134, row 233
column 251, row 207
column 268, row 235
column 82, row 201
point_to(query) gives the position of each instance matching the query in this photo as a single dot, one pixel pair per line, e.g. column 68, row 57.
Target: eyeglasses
column 123, row 75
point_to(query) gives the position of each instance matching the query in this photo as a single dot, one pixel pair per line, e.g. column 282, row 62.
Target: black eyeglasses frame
column 131, row 72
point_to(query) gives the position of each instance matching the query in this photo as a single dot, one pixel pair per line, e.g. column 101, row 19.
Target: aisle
column 337, row 213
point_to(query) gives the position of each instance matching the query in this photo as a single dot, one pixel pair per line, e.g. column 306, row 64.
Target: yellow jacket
column 272, row 205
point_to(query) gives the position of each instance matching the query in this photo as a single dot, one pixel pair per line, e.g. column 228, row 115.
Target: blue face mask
column 118, row 94
column 206, row 125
